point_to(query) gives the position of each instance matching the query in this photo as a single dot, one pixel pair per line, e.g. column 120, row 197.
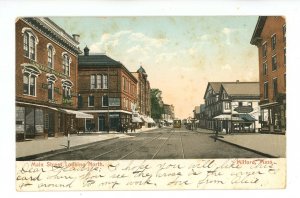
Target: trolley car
column 176, row 123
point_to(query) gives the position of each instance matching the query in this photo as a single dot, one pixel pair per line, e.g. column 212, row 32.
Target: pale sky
column 180, row 54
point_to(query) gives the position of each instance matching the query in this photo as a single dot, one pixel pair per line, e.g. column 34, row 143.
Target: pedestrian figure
column 216, row 135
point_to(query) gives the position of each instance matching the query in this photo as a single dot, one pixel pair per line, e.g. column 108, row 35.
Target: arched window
column 51, row 78
column 67, row 85
column 26, row 44
column 66, row 64
column 51, row 53
column 29, row 80
column 30, row 40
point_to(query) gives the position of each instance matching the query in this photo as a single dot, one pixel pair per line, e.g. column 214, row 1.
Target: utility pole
column 108, row 121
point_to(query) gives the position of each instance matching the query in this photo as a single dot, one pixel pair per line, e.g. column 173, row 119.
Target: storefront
column 35, row 121
column 273, row 118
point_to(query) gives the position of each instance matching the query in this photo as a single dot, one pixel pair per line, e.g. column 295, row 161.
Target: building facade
column 46, row 78
column 143, row 92
column 107, row 90
column 239, row 107
column 212, row 103
column 270, row 38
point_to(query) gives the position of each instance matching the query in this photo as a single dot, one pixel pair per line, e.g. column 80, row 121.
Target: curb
column 58, row 151
column 246, row 148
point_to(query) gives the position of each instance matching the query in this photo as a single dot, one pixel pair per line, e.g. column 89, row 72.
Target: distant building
column 46, row 78
column 169, row 114
column 270, row 38
column 143, row 104
column 202, row 116
column 107, row 90
column 196, row 112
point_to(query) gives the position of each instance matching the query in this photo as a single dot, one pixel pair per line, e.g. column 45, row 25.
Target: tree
column 156, row 103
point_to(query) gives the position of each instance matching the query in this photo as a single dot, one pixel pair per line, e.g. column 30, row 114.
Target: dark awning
column 247, row 117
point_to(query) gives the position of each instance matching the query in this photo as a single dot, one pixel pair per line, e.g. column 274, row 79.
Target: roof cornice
column 54, row 32
column 256, row 39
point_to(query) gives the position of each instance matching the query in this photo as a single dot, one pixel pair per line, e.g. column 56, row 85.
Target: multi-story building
column 143, row 105
column 270, row 38
column 143, row 92
column 46, row 78
column 107, row 90
column 212, row 103
column 239, row 107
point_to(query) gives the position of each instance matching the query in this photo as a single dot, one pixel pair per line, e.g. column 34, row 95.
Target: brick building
column 270, row 38
column 46, row 78
column 143, row 105
column 143, row 92
column 106, row 90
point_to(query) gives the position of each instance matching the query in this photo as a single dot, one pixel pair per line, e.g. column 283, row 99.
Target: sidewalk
column 34, row 147
column 272, row 145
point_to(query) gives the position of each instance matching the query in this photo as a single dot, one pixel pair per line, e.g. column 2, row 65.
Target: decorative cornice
column 53, row 33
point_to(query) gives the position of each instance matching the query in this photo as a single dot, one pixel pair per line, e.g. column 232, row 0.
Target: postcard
column 150, row 102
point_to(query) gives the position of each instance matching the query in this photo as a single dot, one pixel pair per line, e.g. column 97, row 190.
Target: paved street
column 164, row 143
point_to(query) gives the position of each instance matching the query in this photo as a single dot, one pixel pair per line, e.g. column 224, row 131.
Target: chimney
column 76, row 37
column 86, row 51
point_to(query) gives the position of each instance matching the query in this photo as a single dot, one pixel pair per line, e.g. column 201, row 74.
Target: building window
column 93, row 81
column 266, row 90
column 26, row 44
column 80, row 101
column 227, row 105
column 29, row 84
column 50, row 90
column 274, row 63
column 66, row 92
column 98, row 82
column 66, row 64
column 275, row 88
column 30, row 41
column 264, row 49
column 91, row 101
column 124, row 84
column 32, row 48
column 51, row 53
column 284, row 32
column 284, row 80
column 105, row 101
column 273, row 38
column 105, row 81
column 265, row 68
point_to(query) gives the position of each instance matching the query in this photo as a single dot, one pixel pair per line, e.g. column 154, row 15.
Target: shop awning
column 151, row 120
column 227, row 117
column 223, row 117
column 136, row 119
column 78, row 114
column 247, row 117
